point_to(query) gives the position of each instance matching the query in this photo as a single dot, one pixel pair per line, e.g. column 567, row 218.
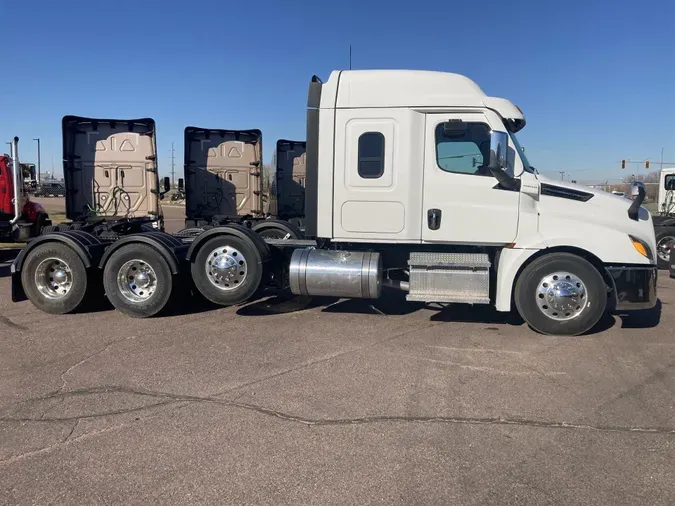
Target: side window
column 463, row 147
column 371, row 155
column 670, row 182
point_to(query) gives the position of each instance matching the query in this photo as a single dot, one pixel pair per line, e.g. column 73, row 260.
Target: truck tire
column 664, row 235
column 274, row 229
column 227, row 270
column 138, row 281
column 561, row 294
column 55, row 278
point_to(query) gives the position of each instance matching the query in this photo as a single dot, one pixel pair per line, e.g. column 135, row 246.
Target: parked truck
column 287, row 183
column 224, row 184
column 415, row 180
column 20, row 218
column 664, row 220
column 110, row 171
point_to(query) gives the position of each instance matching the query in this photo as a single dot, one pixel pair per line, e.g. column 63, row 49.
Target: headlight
column 641, row 247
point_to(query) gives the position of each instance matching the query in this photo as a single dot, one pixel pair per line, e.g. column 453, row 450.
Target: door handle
column 434, row 219
column 106, row 173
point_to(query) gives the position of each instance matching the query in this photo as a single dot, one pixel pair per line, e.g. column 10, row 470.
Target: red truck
column 20, row 219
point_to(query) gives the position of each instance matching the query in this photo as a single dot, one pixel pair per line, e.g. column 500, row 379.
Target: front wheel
column 561, row 294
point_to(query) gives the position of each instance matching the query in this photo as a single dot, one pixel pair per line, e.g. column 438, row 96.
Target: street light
column 38, row 174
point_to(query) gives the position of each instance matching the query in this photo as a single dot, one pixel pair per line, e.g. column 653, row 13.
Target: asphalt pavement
column 320, row 401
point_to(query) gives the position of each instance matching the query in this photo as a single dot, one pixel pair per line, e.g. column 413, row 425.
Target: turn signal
column 640, row 247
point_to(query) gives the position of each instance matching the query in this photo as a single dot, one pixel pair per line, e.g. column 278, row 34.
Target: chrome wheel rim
column 226, row 268
column 54, row 278
column 136, row 281
column 662, row 248
column 561, row 296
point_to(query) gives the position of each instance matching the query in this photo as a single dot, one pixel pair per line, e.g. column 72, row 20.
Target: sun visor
column 515, row 119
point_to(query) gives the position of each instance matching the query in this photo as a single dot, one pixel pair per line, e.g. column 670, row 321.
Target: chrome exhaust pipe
column 16, row 167
column 398, row 285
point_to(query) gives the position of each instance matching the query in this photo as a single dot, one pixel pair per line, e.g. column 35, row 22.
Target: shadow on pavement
column 646, row 319
column 283, row 303
column 392, row 303
column 467, row 313
column 5, row 270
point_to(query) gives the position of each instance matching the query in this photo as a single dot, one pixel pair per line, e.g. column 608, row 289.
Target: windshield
column 523, row 158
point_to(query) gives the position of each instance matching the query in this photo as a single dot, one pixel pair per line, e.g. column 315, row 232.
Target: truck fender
column 87, row 246
column 171, row 248
column 232, row 230
column 511, row 260
column 285, row 226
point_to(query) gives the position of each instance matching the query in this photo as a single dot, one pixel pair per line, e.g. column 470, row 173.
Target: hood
column 591, row 196
column 580, row 205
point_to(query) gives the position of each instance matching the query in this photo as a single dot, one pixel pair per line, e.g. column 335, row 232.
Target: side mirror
column 167, row 184
column 499, row 142
column 181, row 184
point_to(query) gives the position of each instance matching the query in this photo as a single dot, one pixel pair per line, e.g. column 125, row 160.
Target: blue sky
column 596, row 79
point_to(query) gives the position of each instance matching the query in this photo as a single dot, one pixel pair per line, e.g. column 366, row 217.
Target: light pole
column 38, row 174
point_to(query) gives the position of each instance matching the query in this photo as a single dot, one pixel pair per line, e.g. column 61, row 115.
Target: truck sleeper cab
column 415, row 180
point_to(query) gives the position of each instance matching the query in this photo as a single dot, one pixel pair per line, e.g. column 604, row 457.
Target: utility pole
column 562, row 175
column 38, row 174
column 172, row 165
column 350, row 56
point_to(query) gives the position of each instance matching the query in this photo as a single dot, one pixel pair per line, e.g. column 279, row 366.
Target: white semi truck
column 414, row 180
column 664, row 220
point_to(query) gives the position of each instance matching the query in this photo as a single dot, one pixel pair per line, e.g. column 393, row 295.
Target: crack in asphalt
column 87, row 359
column 11, row 324
column 325, row 359
column 171, row 398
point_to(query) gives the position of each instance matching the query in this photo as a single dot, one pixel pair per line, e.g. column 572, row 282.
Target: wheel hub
column 53, row 278
column 142, row 279
column 561, row 296
column 136, row 280
column 226, row 268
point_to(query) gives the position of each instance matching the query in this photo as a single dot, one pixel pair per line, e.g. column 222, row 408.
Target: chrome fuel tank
column 352, row 274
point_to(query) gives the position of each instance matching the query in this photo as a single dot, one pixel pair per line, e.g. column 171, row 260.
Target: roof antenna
column 350, row 56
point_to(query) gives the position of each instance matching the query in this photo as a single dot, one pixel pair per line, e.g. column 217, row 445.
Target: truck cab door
column 462, row 201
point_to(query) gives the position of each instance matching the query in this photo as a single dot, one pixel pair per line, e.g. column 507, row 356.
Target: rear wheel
column 138, row 280
column 561, row 294
column 227, row 270
column 55, row 278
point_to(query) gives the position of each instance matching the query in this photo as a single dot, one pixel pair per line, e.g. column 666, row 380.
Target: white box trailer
column 414, row 180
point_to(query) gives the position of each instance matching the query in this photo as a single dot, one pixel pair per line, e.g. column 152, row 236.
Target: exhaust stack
column 16, row 170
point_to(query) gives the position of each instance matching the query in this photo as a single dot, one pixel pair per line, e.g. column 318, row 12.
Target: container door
column 462, row 201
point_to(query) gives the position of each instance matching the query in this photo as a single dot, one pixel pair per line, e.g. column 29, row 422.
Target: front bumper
column 634, row 286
